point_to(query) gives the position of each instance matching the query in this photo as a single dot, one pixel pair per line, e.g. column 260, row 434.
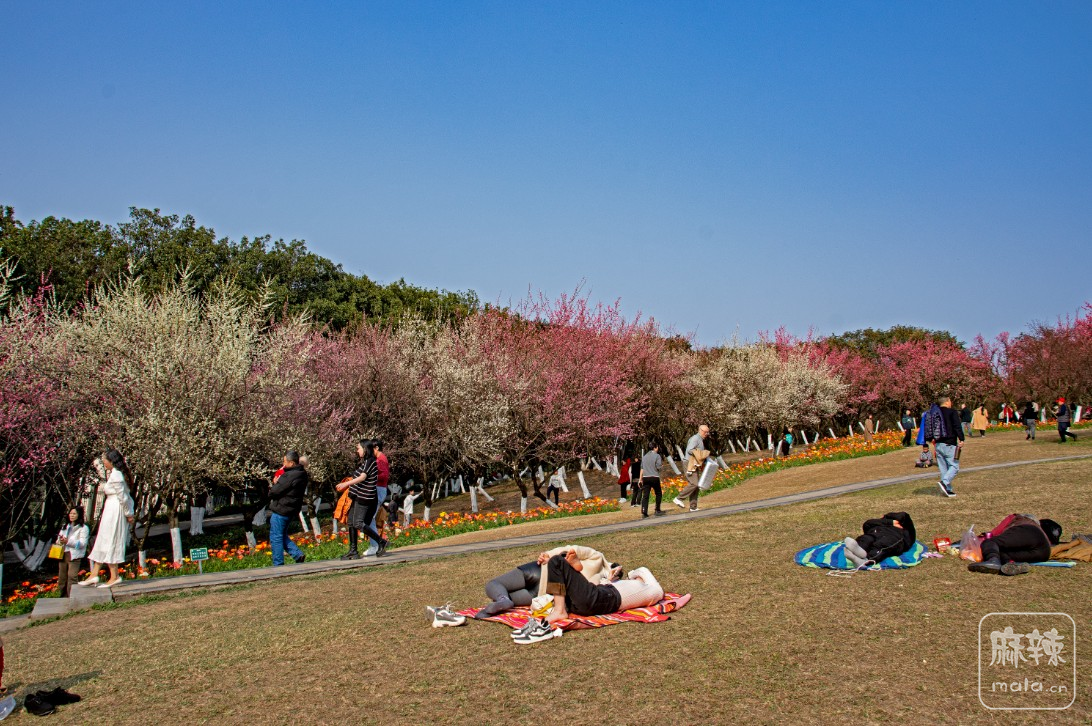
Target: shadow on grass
column 66, row 683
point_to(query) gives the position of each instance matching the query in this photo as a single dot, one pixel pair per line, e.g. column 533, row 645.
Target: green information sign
column 199, row 553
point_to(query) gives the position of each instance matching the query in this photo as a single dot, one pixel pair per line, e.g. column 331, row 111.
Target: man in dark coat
column 889, row 536
column 285, row 502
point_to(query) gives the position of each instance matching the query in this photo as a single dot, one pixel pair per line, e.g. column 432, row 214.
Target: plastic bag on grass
column 970, row 547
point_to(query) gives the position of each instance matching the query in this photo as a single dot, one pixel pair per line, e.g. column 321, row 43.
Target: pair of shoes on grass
column 43, row 703
column 535, row 631
column 444, row 617
column 946, row 489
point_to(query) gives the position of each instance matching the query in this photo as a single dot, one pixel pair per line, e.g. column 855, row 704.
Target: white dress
column 113, row 528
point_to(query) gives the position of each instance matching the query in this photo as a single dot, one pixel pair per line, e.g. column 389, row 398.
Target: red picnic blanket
column 518, row 617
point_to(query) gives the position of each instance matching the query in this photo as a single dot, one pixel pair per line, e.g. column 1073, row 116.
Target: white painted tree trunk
column 428, row 513
column 561, row 481
column 682, row 454
column 334, row 527
column 303, row 523
column 832, row 433
column 260, row 517
column 32, row 553
column 473, row 500
column 316, row 527
column 142, row 559
column 197, row 520
column 541, row 474
column 462, row 488
column 876, row 428
column 731, row 446
column 583, row 485
column 1042, row 415
column 251, row 542
column 176, row 545
column 596, row 464
column 1077, row 416
column 674, row 466
column 523, row 505
column 720, row 460
column 899, row 424
column 769, row 442
column 481, row 490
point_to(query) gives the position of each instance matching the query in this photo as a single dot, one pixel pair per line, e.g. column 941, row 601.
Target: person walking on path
column 362, row 490
column 943, row 430
column 907, row 429
column 690, row 491
column 1064, row 419
column 980, row 421
column 1030, row 420
column 285, row 502
column 651, row 463
column 384, row 467
column 117, row 515
column 74, row 537
column 965, row 418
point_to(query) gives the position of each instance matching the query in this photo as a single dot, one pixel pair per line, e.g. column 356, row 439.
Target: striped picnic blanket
column 518, row 617
column 832, row 556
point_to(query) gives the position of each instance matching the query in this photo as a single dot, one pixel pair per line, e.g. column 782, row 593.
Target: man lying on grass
column 574, row 595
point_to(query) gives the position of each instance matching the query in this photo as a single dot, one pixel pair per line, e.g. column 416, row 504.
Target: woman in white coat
column 117, row 514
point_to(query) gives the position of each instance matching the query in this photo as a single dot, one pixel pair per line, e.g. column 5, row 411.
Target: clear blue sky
column 722, row 167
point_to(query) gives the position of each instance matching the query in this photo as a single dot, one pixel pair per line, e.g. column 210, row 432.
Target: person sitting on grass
column 889, row 536
column 1018, row 540
column 925, row 459
column 574, row 595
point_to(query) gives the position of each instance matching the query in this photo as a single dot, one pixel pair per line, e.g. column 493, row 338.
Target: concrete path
column 135, row 589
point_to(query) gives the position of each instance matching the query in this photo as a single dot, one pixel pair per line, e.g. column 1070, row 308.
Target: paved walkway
column 135, row 589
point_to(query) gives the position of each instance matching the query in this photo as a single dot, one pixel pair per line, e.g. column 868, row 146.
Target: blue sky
column 722, row 167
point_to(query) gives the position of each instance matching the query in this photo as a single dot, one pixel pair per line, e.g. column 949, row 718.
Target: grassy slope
column 762, row 641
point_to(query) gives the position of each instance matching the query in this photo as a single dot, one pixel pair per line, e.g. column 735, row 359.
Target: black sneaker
column 350, row 555
column 299, row 560
column 989, row 566
column 659, row 513
column 59, row 697
column 38, row 706
column 382, row 548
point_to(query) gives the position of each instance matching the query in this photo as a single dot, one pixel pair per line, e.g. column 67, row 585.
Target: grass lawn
column 762, row 641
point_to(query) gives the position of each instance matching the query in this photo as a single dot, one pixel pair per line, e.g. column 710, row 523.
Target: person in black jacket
column 944, row 430
column 889, row 536
column 285, row 502
column 1030, row 420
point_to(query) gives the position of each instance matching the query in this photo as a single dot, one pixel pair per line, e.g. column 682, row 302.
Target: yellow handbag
column 56, row 552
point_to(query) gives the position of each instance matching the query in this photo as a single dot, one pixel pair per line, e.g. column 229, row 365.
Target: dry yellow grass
column 763, row 641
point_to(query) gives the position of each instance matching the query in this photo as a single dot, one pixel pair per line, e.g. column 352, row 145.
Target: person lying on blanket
column 518, row 586
column 889, row 536
column 1018, row 540
column 574, row 595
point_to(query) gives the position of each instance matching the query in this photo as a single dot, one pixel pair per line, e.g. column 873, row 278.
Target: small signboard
column 199, row 555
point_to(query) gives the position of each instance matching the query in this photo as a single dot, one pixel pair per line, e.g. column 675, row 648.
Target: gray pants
column 691, row 489
column 511, row 585
column 1029, row 424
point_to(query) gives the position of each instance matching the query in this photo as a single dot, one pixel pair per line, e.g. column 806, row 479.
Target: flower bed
column 823, row 450
column 328, row 546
